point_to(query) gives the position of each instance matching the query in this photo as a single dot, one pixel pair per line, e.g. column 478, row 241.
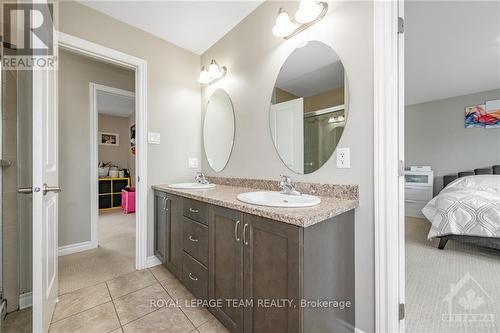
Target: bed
column 467, row 209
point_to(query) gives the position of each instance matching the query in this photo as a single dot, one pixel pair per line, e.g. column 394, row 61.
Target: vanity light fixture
column 214, row 73
column 310, row 12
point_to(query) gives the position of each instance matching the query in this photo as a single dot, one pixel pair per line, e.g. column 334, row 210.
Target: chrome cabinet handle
column 245, row 234
column 192, row 210
column 236, row 230
column 165, row 200
column 193, row 239
column 192, row 277
column 47, row 189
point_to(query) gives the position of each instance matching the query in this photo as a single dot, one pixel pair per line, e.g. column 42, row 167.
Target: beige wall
column 118, row 155
column 324, row 100
column 254, row 58
column 173, row 99
column 75, row 74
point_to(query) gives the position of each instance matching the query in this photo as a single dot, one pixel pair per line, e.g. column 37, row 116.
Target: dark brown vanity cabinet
column 225, row 280
column 253, row 260
column 259, row 270
column 160, row 225
column 168, row 231
column 271, row 272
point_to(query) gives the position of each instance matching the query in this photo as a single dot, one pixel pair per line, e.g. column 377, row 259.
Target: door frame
column 106, row 54
column 94, row 152
column 388, row 166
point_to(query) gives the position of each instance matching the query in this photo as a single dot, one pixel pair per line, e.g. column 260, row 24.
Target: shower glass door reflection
column 16, row 208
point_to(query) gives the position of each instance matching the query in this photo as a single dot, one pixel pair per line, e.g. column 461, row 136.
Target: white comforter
column 467, row 206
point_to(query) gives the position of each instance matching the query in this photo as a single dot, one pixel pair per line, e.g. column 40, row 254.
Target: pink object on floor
column 128, row 200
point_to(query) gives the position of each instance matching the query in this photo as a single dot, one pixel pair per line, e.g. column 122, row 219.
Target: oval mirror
column 218, row 130
column 308, row 107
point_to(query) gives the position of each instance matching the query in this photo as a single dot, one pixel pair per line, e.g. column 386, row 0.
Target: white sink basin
column 276, row 199
column 191, row 186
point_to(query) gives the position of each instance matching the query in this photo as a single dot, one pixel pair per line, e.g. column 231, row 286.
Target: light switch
column 343, row 158
column 193, row 163
column 154, row 138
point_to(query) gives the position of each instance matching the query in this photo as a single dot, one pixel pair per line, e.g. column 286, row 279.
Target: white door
column 45, row 196
column 287, row 128
column 401, row 157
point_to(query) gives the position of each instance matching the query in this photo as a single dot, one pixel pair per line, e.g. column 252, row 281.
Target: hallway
column 115, row 255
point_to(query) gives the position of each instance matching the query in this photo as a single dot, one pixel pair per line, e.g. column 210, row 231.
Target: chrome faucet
column 287, row 187
column 201, row 178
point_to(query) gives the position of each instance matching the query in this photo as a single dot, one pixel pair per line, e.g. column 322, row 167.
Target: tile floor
column 17, row 322
column 115, row 255
column 123, row 304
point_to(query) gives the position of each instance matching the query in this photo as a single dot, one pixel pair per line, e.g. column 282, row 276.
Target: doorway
column 96, row 114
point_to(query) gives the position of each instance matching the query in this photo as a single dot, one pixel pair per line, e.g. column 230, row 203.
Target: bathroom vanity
column 260, row 263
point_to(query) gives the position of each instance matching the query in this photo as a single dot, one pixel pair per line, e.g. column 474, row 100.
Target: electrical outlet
column 193, row 163
column 343, row 158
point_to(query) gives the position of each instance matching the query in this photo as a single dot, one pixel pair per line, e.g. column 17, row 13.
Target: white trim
column 25, row 300
column 115, row 91
column 386, row 156
column 94, row 172
column 94, row 152
column 106, row 54
column 74, row 248
column 152, row 261
column 357, row 330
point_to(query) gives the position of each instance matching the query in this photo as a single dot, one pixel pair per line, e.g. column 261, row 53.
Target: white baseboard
column 357, row 330
column 25, row 300
column 152, row 261
column 74, row 248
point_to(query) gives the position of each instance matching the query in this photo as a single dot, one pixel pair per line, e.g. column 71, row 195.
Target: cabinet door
column 225, row 280
column 174, row 236
column 272, row 261
column 160, row 226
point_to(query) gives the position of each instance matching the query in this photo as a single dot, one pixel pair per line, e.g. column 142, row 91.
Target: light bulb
column 284, row 26
column 204, row 78
column 214, row 71
column 309, row 10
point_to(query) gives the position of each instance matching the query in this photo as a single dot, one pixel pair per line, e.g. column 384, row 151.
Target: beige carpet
column 429, row 274
column 114, row 256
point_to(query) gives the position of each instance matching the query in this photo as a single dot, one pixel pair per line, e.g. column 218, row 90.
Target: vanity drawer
column 195, row 277
column 195, row 240
column 195, row 210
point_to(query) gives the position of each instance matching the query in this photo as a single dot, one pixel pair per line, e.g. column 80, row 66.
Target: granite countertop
column 225, row 196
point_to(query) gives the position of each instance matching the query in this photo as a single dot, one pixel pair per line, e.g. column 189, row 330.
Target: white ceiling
column 114, row 105
column 452, row 48
column 193, row 25
column 310, row 70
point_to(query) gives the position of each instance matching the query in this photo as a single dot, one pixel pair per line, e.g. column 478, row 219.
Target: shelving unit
column 110, row 192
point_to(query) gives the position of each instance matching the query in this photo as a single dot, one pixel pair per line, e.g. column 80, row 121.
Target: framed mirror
column 308, row 109
column 218, row 130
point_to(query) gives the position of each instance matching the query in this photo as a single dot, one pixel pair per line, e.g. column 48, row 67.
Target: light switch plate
column 154, row 138
column 193, row 163
column 343, row 158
